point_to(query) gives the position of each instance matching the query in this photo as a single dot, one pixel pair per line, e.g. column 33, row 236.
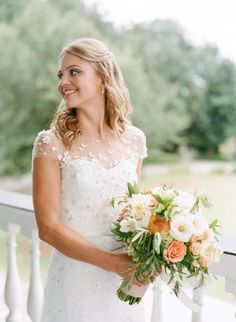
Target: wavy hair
column 117, row 103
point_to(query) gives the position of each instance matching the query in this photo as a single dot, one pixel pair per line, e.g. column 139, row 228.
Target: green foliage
column 214, row 225
column 132, row 188
column 181, row 94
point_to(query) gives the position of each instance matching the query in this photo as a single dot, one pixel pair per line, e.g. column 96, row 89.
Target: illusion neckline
column 97, row 162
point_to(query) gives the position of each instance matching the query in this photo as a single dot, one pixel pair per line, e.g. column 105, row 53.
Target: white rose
column 181, row 228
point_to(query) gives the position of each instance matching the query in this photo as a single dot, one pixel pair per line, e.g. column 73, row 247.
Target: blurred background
column 178, row 59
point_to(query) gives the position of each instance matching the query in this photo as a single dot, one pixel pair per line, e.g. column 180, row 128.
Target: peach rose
column 175, row 252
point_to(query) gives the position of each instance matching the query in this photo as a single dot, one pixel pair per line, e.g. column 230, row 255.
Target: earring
column 103, row 90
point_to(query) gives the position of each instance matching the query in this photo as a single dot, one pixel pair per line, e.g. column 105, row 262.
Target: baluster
column 2, row 317
column 35, row 295
column 230, row 286
column 157, row 306
column 198, row 298
column 13, row 292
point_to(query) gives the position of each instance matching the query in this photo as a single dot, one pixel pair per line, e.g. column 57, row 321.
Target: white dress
column 90, row 175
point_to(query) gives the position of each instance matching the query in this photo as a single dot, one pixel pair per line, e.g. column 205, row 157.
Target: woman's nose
column 64, row 80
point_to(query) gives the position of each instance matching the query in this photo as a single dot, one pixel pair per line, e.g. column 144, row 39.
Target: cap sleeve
column 139, row 142
column 142, row 145
column 46, row 145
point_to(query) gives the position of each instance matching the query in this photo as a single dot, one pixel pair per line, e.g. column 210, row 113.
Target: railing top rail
column 228, row 243
column 17, row 208
column 16, row 200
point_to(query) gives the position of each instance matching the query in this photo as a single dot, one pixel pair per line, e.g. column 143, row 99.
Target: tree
column 181, row 93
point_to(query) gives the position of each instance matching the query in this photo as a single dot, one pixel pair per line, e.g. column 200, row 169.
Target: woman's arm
column 139, row 169
column 46, row 200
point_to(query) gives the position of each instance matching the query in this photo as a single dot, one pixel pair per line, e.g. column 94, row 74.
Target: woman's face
column 79, row 83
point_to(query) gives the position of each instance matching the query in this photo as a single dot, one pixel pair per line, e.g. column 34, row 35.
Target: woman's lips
column 67, row 93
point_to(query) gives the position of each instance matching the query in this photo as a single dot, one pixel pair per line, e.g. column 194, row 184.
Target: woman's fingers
column 141, row 279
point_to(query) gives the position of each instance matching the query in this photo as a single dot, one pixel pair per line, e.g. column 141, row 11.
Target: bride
column 87, row 156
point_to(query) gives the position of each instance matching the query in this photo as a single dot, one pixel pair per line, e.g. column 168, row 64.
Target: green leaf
column 137, row 236
column 214, row 225
column 132, row 189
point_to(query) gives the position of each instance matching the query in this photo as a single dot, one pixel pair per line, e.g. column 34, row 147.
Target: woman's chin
column 71, row 104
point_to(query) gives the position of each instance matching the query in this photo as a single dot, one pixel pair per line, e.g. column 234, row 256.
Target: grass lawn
column 220, row 188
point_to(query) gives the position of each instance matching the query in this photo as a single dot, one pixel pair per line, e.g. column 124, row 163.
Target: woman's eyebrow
column 70, row 67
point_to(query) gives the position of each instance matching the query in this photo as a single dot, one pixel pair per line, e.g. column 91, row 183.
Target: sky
column 212, row 21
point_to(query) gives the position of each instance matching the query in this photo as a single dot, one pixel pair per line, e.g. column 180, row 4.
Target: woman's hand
column 124, row 266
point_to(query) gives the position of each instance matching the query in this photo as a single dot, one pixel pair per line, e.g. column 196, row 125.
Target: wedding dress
column 76, row 291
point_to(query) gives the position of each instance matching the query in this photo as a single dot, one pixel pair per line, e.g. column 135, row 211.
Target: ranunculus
column 195, row 248
column 175, row 252
column 181, row 228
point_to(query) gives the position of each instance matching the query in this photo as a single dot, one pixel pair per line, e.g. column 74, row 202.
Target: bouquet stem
column 127, row 298
column 132, row 294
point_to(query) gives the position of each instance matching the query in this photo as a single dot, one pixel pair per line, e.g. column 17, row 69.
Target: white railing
column 16, row 216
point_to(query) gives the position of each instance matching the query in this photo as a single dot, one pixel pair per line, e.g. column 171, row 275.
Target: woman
column 87, row 156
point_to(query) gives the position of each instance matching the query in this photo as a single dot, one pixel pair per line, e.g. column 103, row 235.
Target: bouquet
column 164, row 231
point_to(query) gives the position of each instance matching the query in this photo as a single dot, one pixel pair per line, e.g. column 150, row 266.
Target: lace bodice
column 91, row 174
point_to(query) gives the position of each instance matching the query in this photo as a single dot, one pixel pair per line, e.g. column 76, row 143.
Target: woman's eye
column 74, row 72
column 59, row 75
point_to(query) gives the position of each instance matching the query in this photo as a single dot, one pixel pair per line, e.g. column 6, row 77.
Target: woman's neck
column 92, row 127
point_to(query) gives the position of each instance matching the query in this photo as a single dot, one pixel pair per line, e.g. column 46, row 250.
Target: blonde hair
column 117, row 103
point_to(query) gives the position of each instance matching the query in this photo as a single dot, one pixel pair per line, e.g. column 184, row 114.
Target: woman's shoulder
column 137, row 139
column 47, row 144
column 46, row 137
column 135, row 132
